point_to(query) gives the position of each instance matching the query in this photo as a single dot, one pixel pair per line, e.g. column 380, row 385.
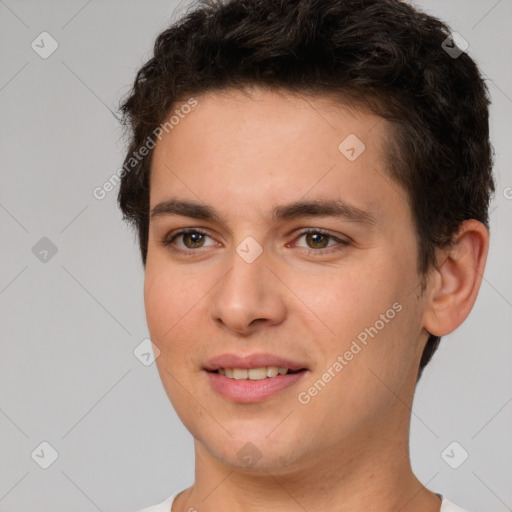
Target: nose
column 249, row 297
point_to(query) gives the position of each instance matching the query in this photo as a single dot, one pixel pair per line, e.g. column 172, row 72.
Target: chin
column 253, row 451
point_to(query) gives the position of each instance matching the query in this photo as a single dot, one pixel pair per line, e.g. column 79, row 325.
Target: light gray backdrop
column 71, row 320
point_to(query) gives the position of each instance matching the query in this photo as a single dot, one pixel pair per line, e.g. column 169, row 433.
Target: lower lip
column 249, row 391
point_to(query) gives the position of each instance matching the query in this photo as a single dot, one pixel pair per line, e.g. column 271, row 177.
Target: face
column 299, row 248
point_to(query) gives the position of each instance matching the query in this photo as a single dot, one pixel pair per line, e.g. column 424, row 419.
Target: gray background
column 68, row 374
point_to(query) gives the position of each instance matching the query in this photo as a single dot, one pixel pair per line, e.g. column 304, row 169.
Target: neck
column 369, row 470
column 354, row 482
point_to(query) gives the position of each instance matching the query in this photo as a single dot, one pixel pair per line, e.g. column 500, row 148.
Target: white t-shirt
column 165, row 506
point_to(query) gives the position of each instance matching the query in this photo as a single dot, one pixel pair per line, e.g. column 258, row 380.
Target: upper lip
column 251, row 361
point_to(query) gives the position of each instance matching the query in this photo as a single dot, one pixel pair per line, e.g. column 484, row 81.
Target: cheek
column 347, row 299
column 168, row 297
column 174, row 303
column 371, row 317
column 155, row 297
column 163, row 311
column 166, row 316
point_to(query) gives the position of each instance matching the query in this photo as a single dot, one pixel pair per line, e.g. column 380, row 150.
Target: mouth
column 246, row 390
column 261, row 373
column 252, row 378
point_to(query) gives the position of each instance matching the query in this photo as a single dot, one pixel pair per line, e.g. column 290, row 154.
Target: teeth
column 240, row 373
column 257, row 373
column 272, row 371
column 253, row 373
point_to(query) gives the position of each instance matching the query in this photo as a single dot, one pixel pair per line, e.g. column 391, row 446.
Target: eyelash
column 167, row 242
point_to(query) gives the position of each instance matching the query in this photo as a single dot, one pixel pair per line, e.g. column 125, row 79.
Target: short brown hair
column 382, row 54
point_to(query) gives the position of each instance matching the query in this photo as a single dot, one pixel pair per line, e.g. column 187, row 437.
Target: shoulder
column 164, row 506
column 448, row 506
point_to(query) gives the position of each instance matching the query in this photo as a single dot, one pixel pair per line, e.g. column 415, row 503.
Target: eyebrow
column 299, row 209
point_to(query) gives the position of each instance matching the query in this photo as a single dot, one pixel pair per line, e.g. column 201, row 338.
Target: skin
column 244, row 152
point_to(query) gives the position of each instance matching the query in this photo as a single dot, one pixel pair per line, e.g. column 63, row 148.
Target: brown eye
column 317, row 240
column 191, row 241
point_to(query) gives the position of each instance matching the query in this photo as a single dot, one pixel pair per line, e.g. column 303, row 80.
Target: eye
column 318, row 239
column 191, row 239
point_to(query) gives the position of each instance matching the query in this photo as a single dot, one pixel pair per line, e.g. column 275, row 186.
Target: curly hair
column 383, row 55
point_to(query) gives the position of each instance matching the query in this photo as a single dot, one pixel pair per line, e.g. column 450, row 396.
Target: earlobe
column 454, row 285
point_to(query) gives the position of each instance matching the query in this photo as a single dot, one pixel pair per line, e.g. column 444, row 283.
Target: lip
column 250, row 391
column 229, row 360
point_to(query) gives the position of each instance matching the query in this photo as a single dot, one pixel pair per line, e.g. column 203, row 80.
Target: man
column 310, row 183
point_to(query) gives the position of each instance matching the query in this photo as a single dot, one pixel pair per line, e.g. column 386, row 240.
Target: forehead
column 248, row 150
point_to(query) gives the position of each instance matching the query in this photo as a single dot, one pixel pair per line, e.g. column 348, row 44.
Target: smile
column 253, row 373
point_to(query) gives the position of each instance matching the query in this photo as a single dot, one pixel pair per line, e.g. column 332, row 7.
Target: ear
column 454, row 283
